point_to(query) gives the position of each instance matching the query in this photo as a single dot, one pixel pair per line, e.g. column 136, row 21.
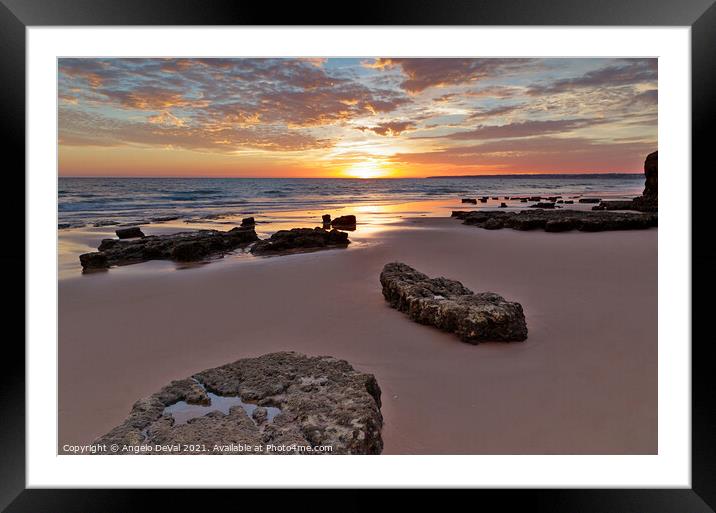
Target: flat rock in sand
column 450, row 306
column 558, row 220
column 322, row 401
column 183, row 247
column 297, row 239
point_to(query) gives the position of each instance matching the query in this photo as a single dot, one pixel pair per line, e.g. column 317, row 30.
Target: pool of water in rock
column 183, row 411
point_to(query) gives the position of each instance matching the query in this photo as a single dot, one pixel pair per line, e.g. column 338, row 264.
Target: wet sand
column 584, row 382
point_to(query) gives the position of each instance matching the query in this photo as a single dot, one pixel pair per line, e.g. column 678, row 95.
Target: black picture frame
column 700, row 15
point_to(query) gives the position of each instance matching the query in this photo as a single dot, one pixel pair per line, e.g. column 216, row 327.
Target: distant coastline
column 550, row 176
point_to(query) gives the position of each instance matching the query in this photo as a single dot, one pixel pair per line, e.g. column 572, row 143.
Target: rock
column 495, row 198
column 449, row 306
column 590, row 200
column 649, row 200
column 503, row 205
column 568, row 202
column 129, row 233
column 182, row 246
column 542, row 205
column 164, row 219
column 615, row 205
column 63, row 226
column 651, row 172
column 493, row 224
column 248, row 221
column 321, row 401
column 107, row 222
column 344, row 222
column 469, row 200
column 301, row 239
column 559, row 225
column 326, row 219
column 558, row 220
column 94, row 261
column 260, row 415
column 483, row 200
column 523, row 200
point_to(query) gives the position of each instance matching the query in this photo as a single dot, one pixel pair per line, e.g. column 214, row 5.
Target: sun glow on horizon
column 368, row 169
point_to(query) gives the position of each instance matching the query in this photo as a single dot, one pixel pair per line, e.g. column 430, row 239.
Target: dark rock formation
column 503, row 205
column 590, row 200
column 558, row 220
column 344, row 222
column 326, row 219
column 543, row 204
column 322, row 401
column 469, row 200
column 248, row 221
column 651, row 172
column 183, row 246
column 649, row 200
column 301, row 239
column 449, row 306
column 129, row 233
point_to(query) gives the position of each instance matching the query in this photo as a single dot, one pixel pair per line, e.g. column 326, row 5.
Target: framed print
column 427, row 246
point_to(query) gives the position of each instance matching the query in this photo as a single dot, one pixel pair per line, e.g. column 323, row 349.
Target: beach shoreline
column 584, row 382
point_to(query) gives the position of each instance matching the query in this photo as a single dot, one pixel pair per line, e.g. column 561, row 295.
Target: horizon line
column 641, row 173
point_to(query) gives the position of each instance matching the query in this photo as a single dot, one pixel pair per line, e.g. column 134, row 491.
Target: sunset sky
column 358, row 117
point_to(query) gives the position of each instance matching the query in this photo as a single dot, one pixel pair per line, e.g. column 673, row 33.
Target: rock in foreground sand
column 450, row 306
column 316, row 400
column 183, row 247
column 301, row 239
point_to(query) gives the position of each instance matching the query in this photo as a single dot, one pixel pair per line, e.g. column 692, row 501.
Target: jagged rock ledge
column 450, row 306
column 558, row 220
column 322, row 401
column 297, row 239
column 182, row 247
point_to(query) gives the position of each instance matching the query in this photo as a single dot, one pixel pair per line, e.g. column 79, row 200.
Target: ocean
column 88, row 201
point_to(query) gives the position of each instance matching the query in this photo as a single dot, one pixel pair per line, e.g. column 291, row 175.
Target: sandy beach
column 584, row 382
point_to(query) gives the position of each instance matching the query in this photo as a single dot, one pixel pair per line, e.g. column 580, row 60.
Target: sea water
column 86, row 201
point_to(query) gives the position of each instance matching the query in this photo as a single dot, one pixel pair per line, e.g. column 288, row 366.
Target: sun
column 369, row 169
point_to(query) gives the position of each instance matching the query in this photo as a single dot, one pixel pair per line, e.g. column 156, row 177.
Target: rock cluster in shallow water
column 323, row 401
column 558, row 220
column 181, row 247
column 450, row 306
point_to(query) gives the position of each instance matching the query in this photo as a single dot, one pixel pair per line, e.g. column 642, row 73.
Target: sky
column 359, row 118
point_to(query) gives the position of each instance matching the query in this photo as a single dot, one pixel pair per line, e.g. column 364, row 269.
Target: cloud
column 217, row 93
column 501, row 110
column 540, row 154
column 630, row 72
column 648, row 98
column 86, row 129
column 390, row 128
column 522, row 129
column 421, row 74
column 166, row 118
